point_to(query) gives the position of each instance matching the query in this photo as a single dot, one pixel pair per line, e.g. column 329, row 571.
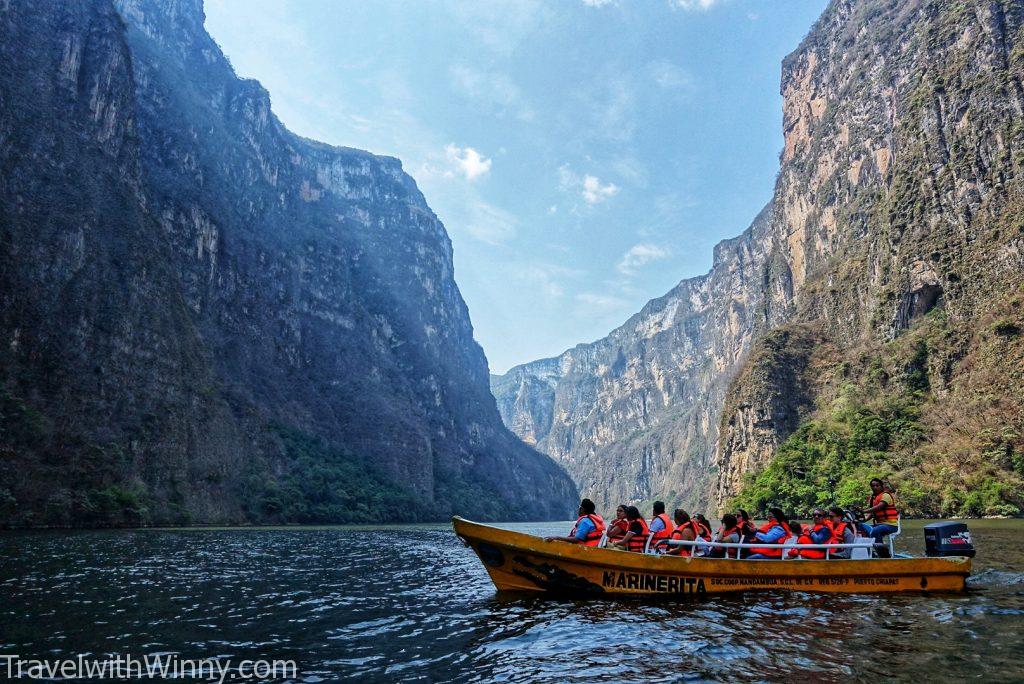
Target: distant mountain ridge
column 872, row 325
column 209, row 319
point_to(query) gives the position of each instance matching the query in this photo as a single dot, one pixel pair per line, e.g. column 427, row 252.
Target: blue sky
column 584, row 155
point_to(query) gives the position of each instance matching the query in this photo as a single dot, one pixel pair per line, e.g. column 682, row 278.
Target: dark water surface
column 415, row 604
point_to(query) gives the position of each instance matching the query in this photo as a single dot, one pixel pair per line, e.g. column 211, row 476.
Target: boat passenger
column 661, row 525
column 705, row 526
column 686, row 530
column 728, row 533
column 618, row 527
column 842, row 531
column 886, row 516
column 820, row 532
column 589, row 527
column 775, row 532
column 747, row 530
column 635, row 538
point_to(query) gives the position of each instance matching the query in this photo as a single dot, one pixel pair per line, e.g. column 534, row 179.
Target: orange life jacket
column 775, row 550
column 888, row 515
column 704, row 532
column 618, row 528
column 667, row 530
column 593, row 537
column 724, row 534
column 838, row 530
column 638, row 541
column 806, row 539
column 678, row 534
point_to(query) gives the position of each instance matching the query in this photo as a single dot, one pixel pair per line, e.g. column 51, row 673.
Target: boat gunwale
column 718, row 567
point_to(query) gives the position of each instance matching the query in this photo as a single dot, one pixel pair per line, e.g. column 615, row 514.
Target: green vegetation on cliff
column 934, row 412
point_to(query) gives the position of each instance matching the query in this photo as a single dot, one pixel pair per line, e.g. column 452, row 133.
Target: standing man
column 589, row 527
column 883, row 509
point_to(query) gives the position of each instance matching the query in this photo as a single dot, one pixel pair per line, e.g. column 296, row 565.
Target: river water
column 414, row 604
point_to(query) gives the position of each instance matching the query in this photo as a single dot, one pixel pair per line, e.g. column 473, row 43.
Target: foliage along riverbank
column 950, row 449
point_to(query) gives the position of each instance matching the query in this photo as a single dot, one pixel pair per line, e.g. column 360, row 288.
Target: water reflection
column 415, row 604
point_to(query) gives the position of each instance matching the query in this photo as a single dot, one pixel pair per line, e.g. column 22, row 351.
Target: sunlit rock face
column 635, row 415
column 212, row 319
column 897, row 196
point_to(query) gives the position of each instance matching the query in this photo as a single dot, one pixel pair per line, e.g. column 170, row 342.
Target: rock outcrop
column 206, row 318
column 635, row 415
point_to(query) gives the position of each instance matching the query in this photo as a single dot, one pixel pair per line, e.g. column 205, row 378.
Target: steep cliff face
column 208, row 318
column 875, row 301
column 635, row 415
column 899, row 200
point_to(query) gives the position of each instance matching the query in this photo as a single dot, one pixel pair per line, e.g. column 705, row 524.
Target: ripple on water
column 358, row 604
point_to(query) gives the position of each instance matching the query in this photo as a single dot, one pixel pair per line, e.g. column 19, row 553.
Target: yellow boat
column 522, row 562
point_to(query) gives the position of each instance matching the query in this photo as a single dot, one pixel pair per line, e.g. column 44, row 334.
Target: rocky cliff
column 874, row 323
column 635, row 415
column 899, row 203
column 207, row 318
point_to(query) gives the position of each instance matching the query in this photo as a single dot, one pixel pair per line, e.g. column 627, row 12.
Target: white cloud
column 600, row 303
column 594, row 192
column 499, row 25
column 590, row 187
column 468, row 161
column 489, row 224
column 640, row 255
column 492, row 89
column 597, row 3
column 690, row 5
column 669, row 76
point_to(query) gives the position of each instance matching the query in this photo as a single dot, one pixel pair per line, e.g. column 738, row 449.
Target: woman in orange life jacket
column 617, row 528
column 842, row 531
column 820, row 532
column 882, row 505
column 775, row 532
column 686, row 530
column 728, row 533
column 746, row 529
column 635, row 538
column 705, row 526
column 661, row 525
column 589, row 527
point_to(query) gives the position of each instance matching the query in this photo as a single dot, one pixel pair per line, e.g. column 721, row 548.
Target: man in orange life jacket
column 661, row 525
column 883, row 509
column 589, row 527
column 818, row 533
column 776, row 532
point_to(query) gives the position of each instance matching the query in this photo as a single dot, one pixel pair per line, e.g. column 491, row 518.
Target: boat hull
column 521, row 562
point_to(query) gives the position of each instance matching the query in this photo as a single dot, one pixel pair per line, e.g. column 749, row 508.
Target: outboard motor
column 948, row 539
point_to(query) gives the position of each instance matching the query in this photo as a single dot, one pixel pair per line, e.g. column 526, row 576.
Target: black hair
column 588, row 506
column 836, row 510
column 682, row 517
column 702, row 520
column 659, row 507
column 879, row 481
column 729, row 520
column 795, row 527
column 779, row 515
column 743, row 514
column 632, row 512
